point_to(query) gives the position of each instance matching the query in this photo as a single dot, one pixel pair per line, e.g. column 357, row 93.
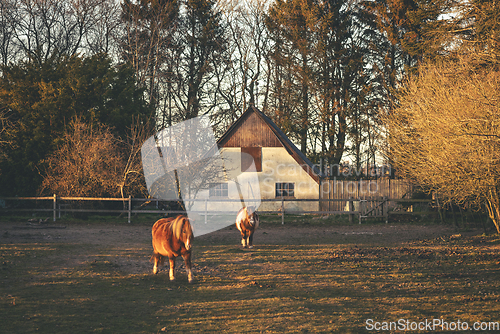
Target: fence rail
column 380, row 207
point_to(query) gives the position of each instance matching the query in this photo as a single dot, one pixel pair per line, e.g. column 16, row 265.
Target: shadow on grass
column 79, row 288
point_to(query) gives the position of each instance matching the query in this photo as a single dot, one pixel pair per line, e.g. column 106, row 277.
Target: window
column 218, row 190
column 285, row 189
column 251, row 155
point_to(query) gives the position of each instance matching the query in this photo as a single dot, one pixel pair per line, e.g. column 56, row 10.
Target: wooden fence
column 372, row 192
column 375, row 207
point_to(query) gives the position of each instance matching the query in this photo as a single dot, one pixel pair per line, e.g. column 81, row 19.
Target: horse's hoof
column 250, row 247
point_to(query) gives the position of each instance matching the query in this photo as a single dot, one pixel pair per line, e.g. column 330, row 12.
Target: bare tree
column 7, row 31
column 237, row 79
column 104, row 29
column 88, row 163
column 131, row 180
column 201, row 45
column 51, row 28
column 93, row 162
column 148, row 31
column 445, row 134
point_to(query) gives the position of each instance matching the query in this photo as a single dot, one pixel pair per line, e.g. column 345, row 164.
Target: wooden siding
column 252, row 131
column 365, row 189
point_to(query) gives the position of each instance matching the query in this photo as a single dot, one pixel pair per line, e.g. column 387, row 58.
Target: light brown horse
column 247, row 222
column 172, row 237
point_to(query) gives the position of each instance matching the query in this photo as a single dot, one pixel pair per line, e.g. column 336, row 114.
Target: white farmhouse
column 255, row 144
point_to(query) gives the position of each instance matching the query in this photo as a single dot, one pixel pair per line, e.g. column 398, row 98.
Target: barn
column 253, row 143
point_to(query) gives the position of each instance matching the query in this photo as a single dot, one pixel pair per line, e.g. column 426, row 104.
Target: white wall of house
column 277, row 167
column 235, row 183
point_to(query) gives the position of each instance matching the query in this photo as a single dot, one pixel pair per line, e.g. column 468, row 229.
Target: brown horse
column 172, row 237
column 247, row 222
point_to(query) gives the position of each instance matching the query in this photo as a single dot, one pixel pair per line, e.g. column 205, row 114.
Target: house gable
column 254, row 129
column 250, row 130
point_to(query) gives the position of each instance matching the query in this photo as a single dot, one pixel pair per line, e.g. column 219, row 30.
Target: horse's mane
column 177, row 224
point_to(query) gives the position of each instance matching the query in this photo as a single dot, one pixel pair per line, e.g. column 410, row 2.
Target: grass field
column 51, row 285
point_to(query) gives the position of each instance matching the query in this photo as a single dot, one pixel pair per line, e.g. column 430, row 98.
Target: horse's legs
column 172, row 267
column 244, row 239
column 250, row 240
column 156, row 260
column 187, row 261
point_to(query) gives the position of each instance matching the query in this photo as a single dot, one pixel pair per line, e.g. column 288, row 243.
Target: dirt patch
column 110, row 250
column 313, row 278
column 89, row 234
column 363, row 234
column 127, row 248
column 133, row 236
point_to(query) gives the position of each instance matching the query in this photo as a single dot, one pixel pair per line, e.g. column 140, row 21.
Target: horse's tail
column 158, row 257
column 256, row 219
column 252, row 213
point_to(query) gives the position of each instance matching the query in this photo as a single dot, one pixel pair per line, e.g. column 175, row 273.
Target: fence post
column 385, row 209
column 54, row 209
column 129, row 208
column 282, row 211
column 351, row 208
column 206, row 207
column 362, row 210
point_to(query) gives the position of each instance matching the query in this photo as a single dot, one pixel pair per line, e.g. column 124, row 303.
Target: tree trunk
column 493, row 205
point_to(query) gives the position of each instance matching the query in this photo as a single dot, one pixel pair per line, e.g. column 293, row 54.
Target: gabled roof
column 283, row 140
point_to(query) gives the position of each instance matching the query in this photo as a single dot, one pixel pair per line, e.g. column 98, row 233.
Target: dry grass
column 62, row 287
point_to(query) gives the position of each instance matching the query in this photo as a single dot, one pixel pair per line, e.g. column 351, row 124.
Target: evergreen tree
column 406, row 33
column 41, row 98
column 320, row 74
column 292, row 23
column 339, row 63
